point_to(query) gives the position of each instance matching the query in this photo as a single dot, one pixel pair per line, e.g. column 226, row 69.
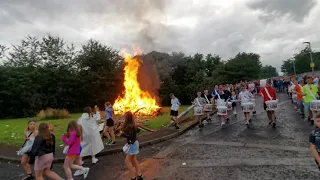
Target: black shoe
column 177, row 127
column 249, row 120
column 309, row 119
column 139, row 177
column 254, row 112
column 201, row 125
column 228, row 119
column 312, row 122
column 273, row 125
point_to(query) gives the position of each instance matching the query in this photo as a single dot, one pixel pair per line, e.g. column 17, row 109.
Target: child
column 44, row 148
column 97, row 113
column 130, row 132
column 314, row 140
column 199, row 102
column 72, row 138
column 108, row 130
column 29, row 133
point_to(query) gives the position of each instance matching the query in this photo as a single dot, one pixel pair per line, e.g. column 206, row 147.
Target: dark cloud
column 296, row 9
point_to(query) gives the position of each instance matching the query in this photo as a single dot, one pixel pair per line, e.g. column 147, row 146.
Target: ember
column 135, row 99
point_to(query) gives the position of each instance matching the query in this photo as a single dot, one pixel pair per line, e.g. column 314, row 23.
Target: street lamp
column 294, row 66
column 310, row 50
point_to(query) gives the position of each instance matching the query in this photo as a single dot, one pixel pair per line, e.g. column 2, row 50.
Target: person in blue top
column 215, row 91
column 108, row 130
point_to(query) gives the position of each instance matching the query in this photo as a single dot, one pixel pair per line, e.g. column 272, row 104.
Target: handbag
column 27, row 146
column 126, row 148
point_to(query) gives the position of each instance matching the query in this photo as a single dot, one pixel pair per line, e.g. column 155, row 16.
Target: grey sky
column 275, row 29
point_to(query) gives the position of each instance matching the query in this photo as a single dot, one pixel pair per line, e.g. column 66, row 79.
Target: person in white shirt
column 199, row 102
column 244, row 97
column 315, row 80
column 294, row 95
column 175, row 104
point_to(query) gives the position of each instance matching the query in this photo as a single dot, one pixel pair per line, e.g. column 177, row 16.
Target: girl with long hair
column 72, row 138
column 109, row 128
column 29, row 133
column 129, row 131
column 44, row 148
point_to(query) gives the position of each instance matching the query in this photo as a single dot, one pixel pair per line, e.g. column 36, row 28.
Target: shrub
column 51, row 113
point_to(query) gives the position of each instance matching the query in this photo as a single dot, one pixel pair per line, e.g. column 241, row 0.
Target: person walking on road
column 199, row 102
column 314, row 140
column 208, row 97
column 175, row 104
column 298, row 91
column 244, row 97
column 269, row 93
column 310, row 92
column 109, row 127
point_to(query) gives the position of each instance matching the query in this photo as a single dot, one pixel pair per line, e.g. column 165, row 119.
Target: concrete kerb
column 119, row 149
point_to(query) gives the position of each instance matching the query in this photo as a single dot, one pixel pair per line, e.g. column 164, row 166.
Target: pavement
column 235, row 152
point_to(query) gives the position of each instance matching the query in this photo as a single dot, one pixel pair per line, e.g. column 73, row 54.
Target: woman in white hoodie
column 92, row 143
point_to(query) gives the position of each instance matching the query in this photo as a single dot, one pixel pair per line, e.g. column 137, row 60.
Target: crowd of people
column 82, row 138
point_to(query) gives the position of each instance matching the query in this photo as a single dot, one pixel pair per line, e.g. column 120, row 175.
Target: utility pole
column 294, row 66
column 310, row 51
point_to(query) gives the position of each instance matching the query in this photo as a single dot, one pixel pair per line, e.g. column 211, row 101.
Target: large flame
column 134, row 99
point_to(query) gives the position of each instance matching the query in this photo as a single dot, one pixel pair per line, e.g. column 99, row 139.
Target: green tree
column 268, row 71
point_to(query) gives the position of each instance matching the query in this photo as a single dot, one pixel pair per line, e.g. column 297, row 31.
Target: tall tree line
column 47, row 72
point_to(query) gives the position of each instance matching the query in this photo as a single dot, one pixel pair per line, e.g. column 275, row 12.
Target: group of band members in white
column 225, row 99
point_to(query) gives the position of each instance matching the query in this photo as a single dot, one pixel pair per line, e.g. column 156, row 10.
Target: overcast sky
column 275, row 29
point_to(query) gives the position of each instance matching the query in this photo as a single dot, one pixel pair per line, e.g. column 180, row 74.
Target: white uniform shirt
column 245, row 96
column 175, row 104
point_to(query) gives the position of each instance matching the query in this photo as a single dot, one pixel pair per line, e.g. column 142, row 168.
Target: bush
column 51, row 113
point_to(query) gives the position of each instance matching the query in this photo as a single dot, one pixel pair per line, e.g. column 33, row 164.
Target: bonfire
column 133, row 98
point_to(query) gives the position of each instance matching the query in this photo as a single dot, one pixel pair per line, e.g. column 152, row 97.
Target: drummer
column 234, row 99
column 209, row 99
column 310, row 93
column 272, row 93
column 244, row 97
column 199, row 102
column 223, row 96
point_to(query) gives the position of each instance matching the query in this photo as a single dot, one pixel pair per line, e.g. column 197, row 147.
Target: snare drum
column 229, row 106
column 198, row 111
column 207, row 108
column 222, row 110
column 247, row 107
column 315, row 105
column 254, row 103
column 272, row 105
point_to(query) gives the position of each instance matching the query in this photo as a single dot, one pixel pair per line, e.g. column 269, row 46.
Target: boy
column 314, row 140
column 175, row 104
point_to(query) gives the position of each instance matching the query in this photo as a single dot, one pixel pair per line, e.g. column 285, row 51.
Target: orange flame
column 134, row 99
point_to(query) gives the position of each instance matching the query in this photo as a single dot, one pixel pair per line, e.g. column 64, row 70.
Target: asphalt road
column 235, row 152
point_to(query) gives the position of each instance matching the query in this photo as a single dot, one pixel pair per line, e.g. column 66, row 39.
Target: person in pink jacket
column 72, row 139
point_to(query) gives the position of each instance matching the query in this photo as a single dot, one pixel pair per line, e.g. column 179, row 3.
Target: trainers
column 139, row 177
column 28, row 177
column 112, row 143
column 94, row 160
column 223, row 124
column 201, row 125
column 108, row 142
column 177, row 126
column 78, row 173
column 85, row 172
column 273, row 124
column 312, row 122
column 247, row 124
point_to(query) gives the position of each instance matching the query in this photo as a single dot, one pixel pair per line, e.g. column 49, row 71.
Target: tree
column 243, row 67
column 268, row 71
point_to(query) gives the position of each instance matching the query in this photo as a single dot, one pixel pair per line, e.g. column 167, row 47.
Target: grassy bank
column 11, row 130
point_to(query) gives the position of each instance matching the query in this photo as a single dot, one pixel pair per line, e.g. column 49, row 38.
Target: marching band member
column 244, row 97
column 215, row 91
column 219, row 96
column 310, row 92
column 294, row 95
column 234, row 98
column 269, row 93
column 208, row 97
column 199, row 102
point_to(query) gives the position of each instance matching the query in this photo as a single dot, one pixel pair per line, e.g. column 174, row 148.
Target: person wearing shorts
column 108, row 130
column 310, row 93
column 175, row 104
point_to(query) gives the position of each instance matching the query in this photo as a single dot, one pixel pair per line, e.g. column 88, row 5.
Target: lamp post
column 294, row 66
column 310, row 50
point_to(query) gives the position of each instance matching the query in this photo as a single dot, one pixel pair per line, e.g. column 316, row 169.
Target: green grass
column 12, row 130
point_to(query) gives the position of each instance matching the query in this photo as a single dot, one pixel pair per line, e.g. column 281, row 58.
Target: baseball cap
column 300, row 79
